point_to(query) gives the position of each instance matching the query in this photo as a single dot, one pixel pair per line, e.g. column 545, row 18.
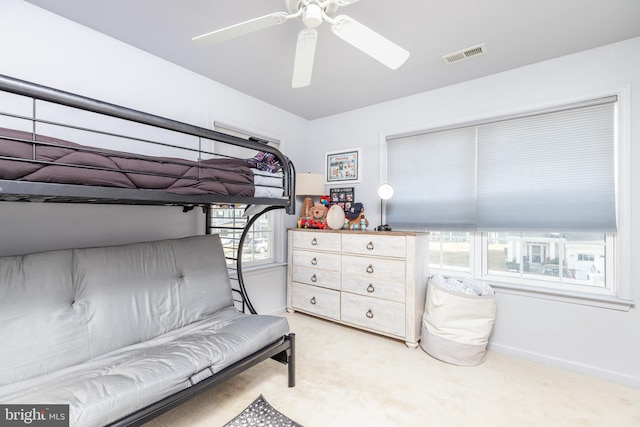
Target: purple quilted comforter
column 60, row 162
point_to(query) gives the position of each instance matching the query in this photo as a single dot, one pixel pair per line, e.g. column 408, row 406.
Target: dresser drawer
column 320, row 301
column 321, row 260
column 316, row 277
column 374, row 314
column 372, row 244
column 317, row 240
column 384, row 270
column 394, row 291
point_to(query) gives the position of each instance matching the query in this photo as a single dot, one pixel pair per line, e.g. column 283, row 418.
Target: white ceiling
column 515, row 32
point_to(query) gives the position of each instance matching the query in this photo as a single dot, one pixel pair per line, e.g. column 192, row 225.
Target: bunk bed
column 59, row 147
column 38, row 166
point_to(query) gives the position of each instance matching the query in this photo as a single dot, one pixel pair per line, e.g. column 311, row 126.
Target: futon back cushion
column 41, row 328
column 135, row 292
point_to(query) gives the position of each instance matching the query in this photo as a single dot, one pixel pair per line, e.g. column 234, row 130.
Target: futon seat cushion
column 102, row 389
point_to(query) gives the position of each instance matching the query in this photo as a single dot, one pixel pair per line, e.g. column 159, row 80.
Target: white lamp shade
column 385, row 191
column 309, row 184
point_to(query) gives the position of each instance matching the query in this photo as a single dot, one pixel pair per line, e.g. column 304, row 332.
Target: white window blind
column 552, row 170
column 433, row 176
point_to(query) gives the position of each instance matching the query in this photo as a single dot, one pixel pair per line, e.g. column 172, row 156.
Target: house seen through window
column 559, row 258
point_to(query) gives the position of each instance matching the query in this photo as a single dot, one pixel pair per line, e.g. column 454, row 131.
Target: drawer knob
column 314, row 261
column 370, row 246
column 370, row 288
column 314, row 279
column 314, row 242
column 370, row 269
column 313, row 300
column 370, row 314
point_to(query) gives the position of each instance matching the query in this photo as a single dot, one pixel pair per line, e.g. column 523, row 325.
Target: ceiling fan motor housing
column 312, row 16
column 329, row 7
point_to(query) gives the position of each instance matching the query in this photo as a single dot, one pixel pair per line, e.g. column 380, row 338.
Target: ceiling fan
column 312, row 13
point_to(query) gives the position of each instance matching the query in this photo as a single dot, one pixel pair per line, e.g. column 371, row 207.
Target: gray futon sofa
column 124, row 333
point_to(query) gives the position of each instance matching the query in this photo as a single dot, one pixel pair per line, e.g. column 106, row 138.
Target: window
column 569, row 261
column 450, row 251
column 528, row 201
column 229, row 221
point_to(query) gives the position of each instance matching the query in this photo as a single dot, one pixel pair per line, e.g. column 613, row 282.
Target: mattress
column 102, row 390
column 54, row 160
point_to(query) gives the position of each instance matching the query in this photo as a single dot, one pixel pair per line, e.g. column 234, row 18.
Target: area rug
column 261, row 414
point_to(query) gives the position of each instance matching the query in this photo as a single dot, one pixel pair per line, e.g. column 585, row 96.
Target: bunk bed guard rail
column 44, row 93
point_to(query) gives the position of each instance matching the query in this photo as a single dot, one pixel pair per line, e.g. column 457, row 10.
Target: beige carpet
column 346, row 377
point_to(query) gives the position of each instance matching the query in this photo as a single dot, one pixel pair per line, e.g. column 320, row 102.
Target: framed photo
column 342, row 196
column 343, row 166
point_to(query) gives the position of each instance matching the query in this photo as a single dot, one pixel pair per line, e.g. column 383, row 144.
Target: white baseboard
column 568, row 365
column 281, row 311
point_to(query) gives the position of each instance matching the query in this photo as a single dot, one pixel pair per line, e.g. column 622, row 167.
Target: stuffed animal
column 318, row 215
column 355, row 215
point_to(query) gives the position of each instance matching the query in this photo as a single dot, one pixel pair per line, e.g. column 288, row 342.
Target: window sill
column 594, row 300
column 257, row 267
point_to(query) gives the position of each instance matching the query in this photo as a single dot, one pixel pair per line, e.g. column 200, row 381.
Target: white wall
column 41, row 47
column 597, row 341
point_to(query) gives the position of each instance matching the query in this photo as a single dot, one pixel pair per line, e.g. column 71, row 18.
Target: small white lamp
column 385, row 192
column 309, row 184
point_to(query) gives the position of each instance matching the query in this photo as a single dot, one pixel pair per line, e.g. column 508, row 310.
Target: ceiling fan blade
column 305, row 53
column 368, row 41
column 242, row 28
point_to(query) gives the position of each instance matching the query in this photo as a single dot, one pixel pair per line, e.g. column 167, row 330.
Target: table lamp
column 385, row 192
column 309, row 184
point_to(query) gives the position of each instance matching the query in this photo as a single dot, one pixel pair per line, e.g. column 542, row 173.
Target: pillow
column 265, row 162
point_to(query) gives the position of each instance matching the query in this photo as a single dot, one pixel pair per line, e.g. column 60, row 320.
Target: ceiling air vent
column 464, row 54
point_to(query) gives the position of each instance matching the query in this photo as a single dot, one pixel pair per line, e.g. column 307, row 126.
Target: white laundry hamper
column 458, row 320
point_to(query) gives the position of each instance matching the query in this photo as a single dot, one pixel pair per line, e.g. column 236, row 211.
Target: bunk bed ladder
column 240, row 251
column 239, row 289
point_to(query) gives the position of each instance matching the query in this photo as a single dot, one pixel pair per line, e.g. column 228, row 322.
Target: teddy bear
column 318, row 215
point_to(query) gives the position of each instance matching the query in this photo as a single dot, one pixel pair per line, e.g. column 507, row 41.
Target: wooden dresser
column 373, row 280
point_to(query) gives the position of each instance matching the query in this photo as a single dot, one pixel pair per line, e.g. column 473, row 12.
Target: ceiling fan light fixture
column 312, row 16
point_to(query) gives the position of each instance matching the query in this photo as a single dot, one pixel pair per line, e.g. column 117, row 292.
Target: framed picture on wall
column 343, row 166
column 342, row 196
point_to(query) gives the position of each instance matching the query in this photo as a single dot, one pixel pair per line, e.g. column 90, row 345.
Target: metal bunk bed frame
column 50, row 192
